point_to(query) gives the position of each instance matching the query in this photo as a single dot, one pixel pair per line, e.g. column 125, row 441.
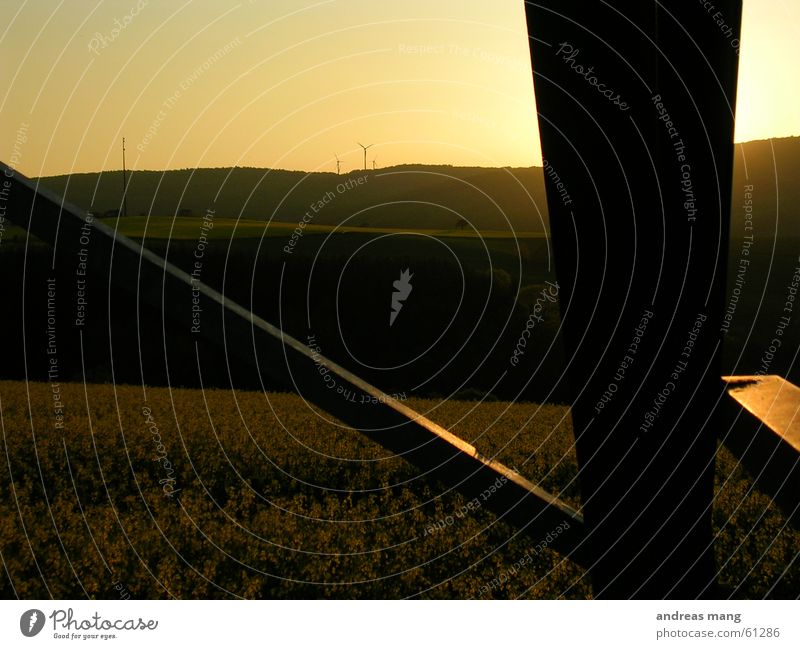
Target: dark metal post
column 636, row 107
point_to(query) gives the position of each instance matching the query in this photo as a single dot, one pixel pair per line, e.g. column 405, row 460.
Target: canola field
column 120, row 491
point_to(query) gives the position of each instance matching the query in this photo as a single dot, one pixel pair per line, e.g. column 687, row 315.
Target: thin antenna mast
column 124, row 183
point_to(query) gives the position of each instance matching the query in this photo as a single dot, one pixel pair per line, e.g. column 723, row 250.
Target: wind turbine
column 365, row 153
column 373, row 163
column 338, row 163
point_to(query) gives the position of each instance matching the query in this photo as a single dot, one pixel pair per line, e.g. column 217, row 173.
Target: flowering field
column 184, row 493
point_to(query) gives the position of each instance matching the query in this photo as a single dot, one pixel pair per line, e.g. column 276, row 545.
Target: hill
column 770, row 167
column 410, row 196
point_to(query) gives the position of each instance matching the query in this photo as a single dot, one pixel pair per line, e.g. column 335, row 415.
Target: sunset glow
column 288, row 84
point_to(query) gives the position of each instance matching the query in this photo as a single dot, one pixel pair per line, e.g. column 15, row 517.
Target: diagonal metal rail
column 165, row 288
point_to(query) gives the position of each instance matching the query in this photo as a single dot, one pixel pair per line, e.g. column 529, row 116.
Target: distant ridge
column 410, row 195
column 401, row 196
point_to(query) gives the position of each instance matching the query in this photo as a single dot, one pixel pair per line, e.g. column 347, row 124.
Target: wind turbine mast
column 365, row 153
column 338, row 164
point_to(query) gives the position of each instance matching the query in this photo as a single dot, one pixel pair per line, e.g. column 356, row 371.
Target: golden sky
column 290, row 83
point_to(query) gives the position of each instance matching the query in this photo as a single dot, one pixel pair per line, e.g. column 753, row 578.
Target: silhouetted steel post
column 636, row 105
